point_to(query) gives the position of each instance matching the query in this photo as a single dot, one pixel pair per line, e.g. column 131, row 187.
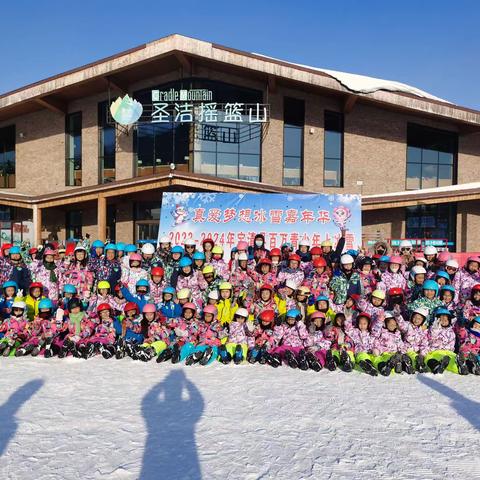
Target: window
column 7, row 157
column 73, row 131
column 431, row 157
column 106, row 145
column 432, row 222
column 333, row 150
column 147, row 221
column 73, row 225
column 294, row 120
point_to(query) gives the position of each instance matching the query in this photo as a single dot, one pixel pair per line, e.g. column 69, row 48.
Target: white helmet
column 406, row 244
column 422, row 259
column 148, row 249
column 242, row 312
column 424, row 312
column 430, row 250
column 19, row 304
column 213, row 295
column 242, row 256
column 452, row 263
column 389, row 314
column 291, row 284
column 346, row 259
column 417, row 270
column 190, row 242
column 303, row 243
column 165, row 239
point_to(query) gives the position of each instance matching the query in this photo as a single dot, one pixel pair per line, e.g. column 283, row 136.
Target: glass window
column 333, row 150
column 73, row 131
column 432, row 222
column 217, row 148
column 106, row 145
column 431, row 157
column 73, row 225
column 294, row 120
column 147, row 221
column 7, row 157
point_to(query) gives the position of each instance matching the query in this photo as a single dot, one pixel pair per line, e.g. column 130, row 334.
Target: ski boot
column 330, row 361
column 462, row 364
column 130, row 350
column 347, row 365
column 107, row 351
column 291, row 360
column 302, row 360
column 225, row 357
column 407, row 364
column 175, row 353
column 238, row 355
column 165, row 355
column 473, row 364
column 21, row 352
column 90, row 350
column 262, row 356
column 273, row 359
column 421, row 367
column 7, row 350
column 368, row 368
column 397, row 363
column 313, row 362
column 48, row 348
column 144, row 354
column 3, row 346
column 35, row 351
column 81, row 351
column 194, row 358
column 385, row 368
column 207, row 356
column 252, row 355
column 120, row 349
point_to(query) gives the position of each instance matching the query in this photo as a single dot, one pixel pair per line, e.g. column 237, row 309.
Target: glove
column 59, row 314
column 20, row 293
column 179, row 332
column 250, row 326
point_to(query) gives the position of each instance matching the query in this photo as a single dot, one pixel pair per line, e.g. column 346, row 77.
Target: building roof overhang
column 175, row 51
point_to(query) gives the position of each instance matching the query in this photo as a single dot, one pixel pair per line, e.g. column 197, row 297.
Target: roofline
column 219, row 53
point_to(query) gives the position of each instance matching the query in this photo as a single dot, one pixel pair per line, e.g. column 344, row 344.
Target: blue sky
column 431, row 44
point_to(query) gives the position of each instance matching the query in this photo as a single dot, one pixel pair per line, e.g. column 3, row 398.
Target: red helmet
column 6, row 246
column 275, row 252
column 476, row 288
column 33, row 251
column 267, row 316
column 266, row 286
column 265, row 261
column 35, row 285
column 366, row 315
column 157, row 272
column 294, row 256
column 316, row 251
column 395, row 291
column 319, row 262
column 117, row 287
column 104, row 306
column 208, row 240
column 376, row 256
column 131, row 306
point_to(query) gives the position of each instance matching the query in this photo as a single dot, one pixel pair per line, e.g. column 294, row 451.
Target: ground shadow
column 468, row 409
column 8, row 411
column 171, row 410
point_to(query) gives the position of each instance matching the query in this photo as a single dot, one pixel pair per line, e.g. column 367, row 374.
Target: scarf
column 51, row 267
column 76, row 319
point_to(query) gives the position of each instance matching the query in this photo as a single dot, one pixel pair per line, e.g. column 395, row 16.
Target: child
column 237, row 343
column 102, row 296
column 35, row 295
column 393, row 278
column 341, row 348
column 428, row 299
column 363, row 340
column 472, row 305
column 69, row 291
column 9, row 290
column 301, row 301
column 292, row 271
column 169, row 306
column 141, row 296
column 79, row 328
column 157, row 284
column 13, row 329
column 133, row 272
column 374, row 307
column 367, row 277
column 417, row 277
column 227, row 305
column 322, row 304
column 262, row 338
column 469, row 339
column 263, row 273
column 103, row 338
column 317, row 352
column 217, row 262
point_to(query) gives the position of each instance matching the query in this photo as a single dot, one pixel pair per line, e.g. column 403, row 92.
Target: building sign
column 126, row 110
column 228, row 218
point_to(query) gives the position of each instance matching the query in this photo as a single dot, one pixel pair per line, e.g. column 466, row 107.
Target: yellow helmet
column 208, row 269
column 379, row 294
column 103, row 284
column 217, row 249
column 183, row 294
column 326, row 243
column 225, row 286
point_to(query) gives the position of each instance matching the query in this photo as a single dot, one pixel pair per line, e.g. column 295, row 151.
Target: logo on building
column 126, row 110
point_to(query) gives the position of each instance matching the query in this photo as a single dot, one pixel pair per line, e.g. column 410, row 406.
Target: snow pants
column 439, row 354
column 190, row 348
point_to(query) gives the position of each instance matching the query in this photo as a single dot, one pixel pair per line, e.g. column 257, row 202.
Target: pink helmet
column 189, row 305
column 443, row 256
column 473, row 259
column 49, row 251
column 396, row 259
column 242, row 245
column 211, row 309
column 135, row 256
column 149, row 308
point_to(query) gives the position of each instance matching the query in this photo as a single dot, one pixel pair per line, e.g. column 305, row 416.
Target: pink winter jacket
column 296, row 276
column 238, row 332
column 392, row 280
column 130, row 277
column 367, row 307
column 470, row 310
column 469, row 340
column 388, row 342
column 415, row 338
column 317, row 339
column 463, row 283
column 156, row 290
column 192, row 283
column 440, row 338
column 80, row 277
column 42, row 275
column 292, row 336
column 363, row 340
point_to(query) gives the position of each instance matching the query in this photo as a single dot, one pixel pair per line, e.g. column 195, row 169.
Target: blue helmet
column 476, row 319
column 142, row 283
column 10, row 283
column 98, row 244
column 442, row 274
column 448, row 288
column 198, row 256
column 14, row 249
column 184, row 262
column 294, row 313
column 130, row 248
column 177, row 249
column 322, row 297
column 442, row 311
column 45, row 303
column 384, row 258
column 120, row 246
column 69, row 288
column 353, row 253
column 110, row 246
column 430, row 285
column 170, row 290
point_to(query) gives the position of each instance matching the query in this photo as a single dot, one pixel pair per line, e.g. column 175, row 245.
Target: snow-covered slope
column 97, row 419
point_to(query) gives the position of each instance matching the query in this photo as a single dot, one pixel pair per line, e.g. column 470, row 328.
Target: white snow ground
column 97, row 419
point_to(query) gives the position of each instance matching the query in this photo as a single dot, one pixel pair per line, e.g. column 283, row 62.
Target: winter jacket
column 392, row 280
column 362, row 340
column 317, row 339
column 469, row 340
column 463, row 283
column 51, row 288
column 296, row 275
column 76, row 275
column 170, row 309
column 343, row 286
column 414, row 338
column 388, row 342
column 440, row 338
column 130, row 277
column 226, row 310
column 238, row 332
column 338, row 338
column 422, row 301
column 291, row 336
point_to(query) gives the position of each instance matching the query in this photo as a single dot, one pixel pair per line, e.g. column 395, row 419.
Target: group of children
column 309, row 308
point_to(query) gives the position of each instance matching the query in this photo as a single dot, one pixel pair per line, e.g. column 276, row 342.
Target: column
column 37, row 224
column 102, row 217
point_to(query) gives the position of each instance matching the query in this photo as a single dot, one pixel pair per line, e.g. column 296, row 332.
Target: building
column 66, row 168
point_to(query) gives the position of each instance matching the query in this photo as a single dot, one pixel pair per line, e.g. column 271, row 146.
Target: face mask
column 44, row 315
column 258, row 243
